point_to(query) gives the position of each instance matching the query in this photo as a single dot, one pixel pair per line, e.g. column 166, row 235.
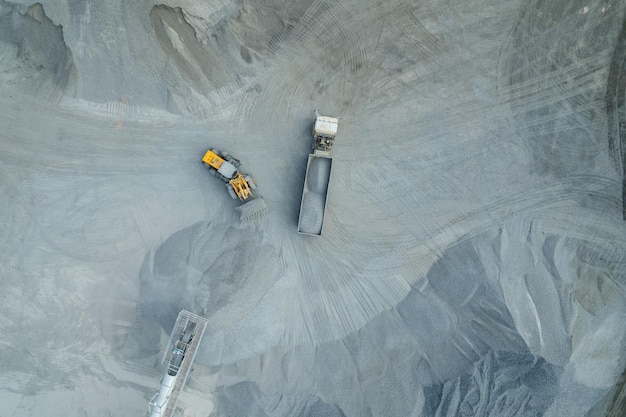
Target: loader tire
column 236, row 162
column 251, row 182
column 231, row 192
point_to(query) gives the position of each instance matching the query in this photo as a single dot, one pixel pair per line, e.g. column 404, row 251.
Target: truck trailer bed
column 313, row 204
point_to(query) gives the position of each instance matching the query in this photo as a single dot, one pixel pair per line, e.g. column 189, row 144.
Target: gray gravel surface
column 473, row 260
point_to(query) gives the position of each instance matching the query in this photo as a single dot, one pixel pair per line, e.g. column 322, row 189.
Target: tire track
column 336, row 299
column 543, row 201
column 552, row 84
column 85, row 237
column 538, row 202
column 303, row 49
column 534, row 37
column 568, row 82
column 616, row 110
column 422, row 37
column 16, row 219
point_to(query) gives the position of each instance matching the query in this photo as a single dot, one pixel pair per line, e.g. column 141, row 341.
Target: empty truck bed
column 313, row 204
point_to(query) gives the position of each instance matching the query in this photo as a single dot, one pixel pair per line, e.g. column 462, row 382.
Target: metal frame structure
column 188, row 325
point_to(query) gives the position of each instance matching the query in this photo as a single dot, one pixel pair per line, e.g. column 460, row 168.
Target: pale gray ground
column 473, row 260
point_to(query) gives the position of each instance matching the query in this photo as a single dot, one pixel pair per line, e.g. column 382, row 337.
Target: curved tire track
column 616, row 110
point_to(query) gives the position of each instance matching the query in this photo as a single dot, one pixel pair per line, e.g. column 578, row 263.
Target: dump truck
column 239, row 185
column 317, row 177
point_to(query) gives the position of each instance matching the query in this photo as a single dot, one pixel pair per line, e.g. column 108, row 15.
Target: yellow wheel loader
column 239, row 185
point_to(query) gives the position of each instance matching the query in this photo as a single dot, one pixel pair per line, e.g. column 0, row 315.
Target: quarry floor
column 473, row 259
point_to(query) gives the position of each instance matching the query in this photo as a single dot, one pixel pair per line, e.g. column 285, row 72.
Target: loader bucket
column 252, row 209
